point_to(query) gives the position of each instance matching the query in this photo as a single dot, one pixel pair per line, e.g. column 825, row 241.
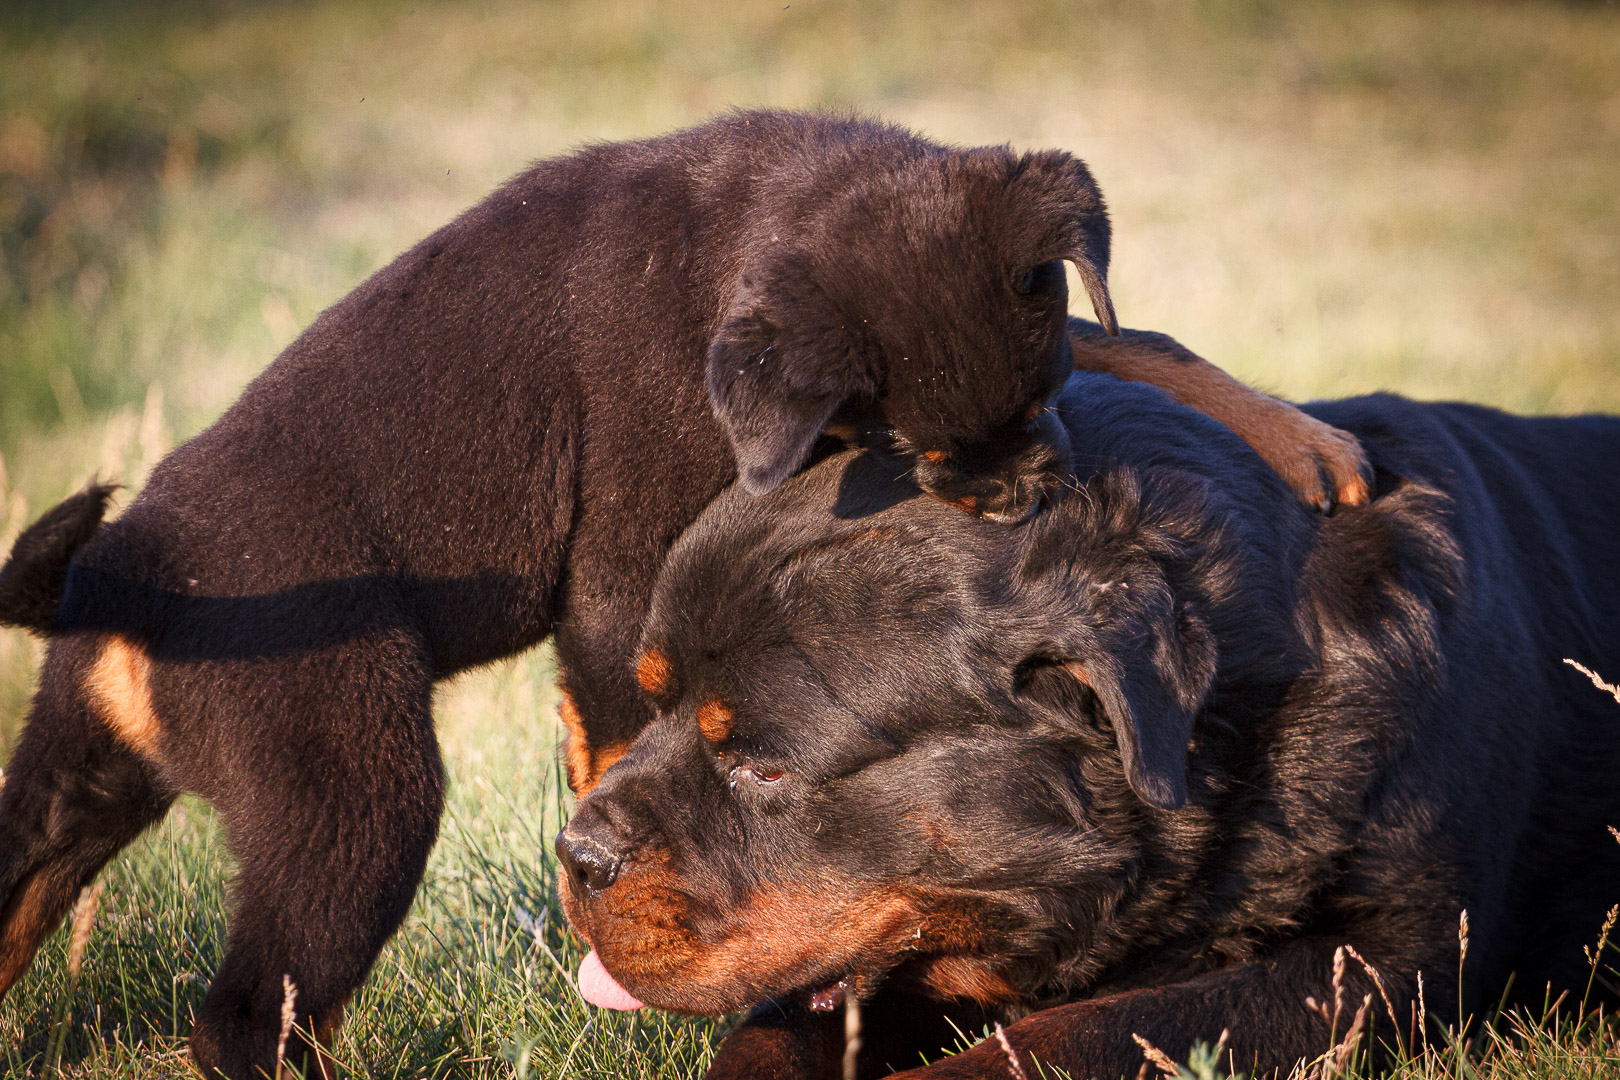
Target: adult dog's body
column 1138, row 766
column 495, row 438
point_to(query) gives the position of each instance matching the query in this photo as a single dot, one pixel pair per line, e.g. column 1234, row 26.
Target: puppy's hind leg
column 74, row 794
column 331, row 802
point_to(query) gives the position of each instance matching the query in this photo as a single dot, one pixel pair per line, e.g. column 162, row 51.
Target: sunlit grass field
column 1327, row 199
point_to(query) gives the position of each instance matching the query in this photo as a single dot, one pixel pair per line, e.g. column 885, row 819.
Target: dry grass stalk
column 1340, row 1056
column 1012, row 1057
column 1338, row 992
column 1422, row 1009
column 1158, row 1057
column 84, row 917
column 1378, row 981
column 852, row 1031
column 1594, row 959
column 289, row 996
column 1597, row 680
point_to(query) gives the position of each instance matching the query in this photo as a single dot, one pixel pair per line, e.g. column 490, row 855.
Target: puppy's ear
column 773, row 390
column 1112, row 570
column 1072, row 200
column 1150, row 689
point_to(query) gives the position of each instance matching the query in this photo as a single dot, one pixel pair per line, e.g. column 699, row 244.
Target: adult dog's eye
column 755, row 775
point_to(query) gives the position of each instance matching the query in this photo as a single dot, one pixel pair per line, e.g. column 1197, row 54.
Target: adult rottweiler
column 497, row 437
column 1137, row 766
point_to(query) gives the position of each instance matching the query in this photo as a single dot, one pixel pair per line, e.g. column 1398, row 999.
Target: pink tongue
column 601, row 989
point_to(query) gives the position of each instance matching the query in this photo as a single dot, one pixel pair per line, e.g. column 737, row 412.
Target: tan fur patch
column 969, row 977
column 714, row 720
column 968, row 503
column 643, row 927
column 586, row 763
column 936, row 456
column 677, row 954
column 120, row 686
column 654, row 672
column 37, row 905
column 1077, row 668
column 1298, row 446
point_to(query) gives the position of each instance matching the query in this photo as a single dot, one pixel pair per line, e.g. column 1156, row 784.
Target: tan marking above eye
column 935, row 456
column 586, row 763
column 654, row 672
column 1035, row 409
column 120, row 688
column 714, row 720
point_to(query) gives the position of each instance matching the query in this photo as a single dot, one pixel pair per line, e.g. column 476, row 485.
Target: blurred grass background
column 1326, row 199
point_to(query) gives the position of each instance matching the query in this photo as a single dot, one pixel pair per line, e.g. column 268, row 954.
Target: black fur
column 496, row 438
column 33, row 576
column 1137, row 766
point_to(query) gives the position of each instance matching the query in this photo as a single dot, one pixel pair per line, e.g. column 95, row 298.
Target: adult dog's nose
column 590, row 849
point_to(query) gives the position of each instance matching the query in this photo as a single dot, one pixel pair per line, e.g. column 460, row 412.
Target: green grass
column 473, row 981
column 1325, row 198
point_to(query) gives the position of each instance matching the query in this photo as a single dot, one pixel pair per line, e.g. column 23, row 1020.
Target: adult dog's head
column 914, row 296
column 896, row 743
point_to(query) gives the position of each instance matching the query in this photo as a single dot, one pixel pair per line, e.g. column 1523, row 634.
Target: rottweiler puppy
column 1140, row 765
column 497, row 438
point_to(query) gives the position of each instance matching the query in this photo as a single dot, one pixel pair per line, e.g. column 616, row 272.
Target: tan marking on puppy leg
column 714, row 720
column 121, row 692
column 585, row 763
column 37, row 906
column 326, row 1029
column 1318, row 461
column 654, row 672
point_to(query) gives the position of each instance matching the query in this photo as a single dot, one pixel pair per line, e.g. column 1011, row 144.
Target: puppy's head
column 922, row 304
column 912, row 746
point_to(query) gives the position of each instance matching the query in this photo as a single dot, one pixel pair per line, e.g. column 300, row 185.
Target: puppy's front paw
column 1324, row 465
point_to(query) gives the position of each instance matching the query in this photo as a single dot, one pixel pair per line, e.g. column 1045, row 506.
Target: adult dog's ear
column 1150, row 688
column 1073, row 202
column 1112, row 569
column 773, row 390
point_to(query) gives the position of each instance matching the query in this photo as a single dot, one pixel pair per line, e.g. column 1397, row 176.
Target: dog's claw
column 1325, row 466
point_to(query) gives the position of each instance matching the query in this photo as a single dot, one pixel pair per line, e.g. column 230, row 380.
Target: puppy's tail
column 32, row 579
